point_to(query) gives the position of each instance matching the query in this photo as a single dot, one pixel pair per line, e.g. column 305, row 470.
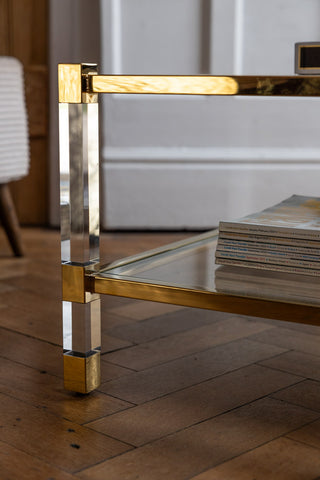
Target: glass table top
column 187, row 264
column 185, row 273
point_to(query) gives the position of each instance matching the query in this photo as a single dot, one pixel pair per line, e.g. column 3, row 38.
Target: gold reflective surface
column 193, row 85
column 186, row 274
column 79, row 197
column 74, row 81
column 69, row 83
column 79, row 82
column 73, row 284
column 81, row 374
column 208, row 85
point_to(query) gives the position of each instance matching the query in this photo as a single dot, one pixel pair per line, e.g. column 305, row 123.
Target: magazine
column 268, row 266
column 269, row 258
column 296, row 217
column 240, row 245
column 249, row 237
column 267, row 284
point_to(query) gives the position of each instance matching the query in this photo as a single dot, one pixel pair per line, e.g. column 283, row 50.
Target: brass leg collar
column 81, row 374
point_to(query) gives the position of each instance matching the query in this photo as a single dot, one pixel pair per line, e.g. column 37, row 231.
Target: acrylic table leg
column 79, row 199
column 81, row 359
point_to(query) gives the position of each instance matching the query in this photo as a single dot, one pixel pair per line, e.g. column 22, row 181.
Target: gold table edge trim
column 219, row 301
column 263, row 85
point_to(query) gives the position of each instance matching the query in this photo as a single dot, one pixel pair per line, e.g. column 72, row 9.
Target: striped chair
column 14, row 144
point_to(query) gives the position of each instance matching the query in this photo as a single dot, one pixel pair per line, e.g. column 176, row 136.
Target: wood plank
column 31, row 316
column 52, row 439
column 163, row 379
column 17, row 464
column 39, row 33
column 41, row 356
column 163, row 416
column 298, row 363
column 186, row 453
column 309, row 434
column 182, row 344
column 145, row 310
column 29, row 27
column 169, row 323
column 196, row 413
column 13, row 267
column 36, row 89
column 290, row 339
column 28, row 42
column 4, row 27
column 306, row 394
column 19, row 381
column 282, row 459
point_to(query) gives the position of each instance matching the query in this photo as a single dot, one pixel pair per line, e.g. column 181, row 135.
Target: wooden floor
column 186, row 393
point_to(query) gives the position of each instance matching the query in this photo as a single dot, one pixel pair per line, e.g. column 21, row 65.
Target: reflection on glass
column 192, row 266
column 64, row 181
column 256, row 283
column 67, row 325
column 79, row 182
column 81, row 327
column 189, row 266
column 79, row 196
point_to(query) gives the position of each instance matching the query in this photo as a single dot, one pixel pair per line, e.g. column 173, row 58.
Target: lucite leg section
column 79, row 187
column 81, row 345
column 82, row 340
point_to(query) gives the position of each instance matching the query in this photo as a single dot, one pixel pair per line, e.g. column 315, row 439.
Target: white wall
column 187, row 162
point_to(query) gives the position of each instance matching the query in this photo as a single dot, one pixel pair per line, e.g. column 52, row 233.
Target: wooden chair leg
column 10, row 220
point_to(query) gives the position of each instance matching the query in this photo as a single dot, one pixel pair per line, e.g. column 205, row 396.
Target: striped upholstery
column 14, row 146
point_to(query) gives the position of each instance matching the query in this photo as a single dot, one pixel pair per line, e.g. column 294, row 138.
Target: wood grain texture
column 281, row 459
column 190, row 451
column 240, row 406
column 192, row 405
column 4, row 27
column 197, row 85
column 23, row 34
column 10, row 221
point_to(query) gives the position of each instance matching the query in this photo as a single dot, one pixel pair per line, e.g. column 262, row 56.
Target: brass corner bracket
column 74, row 284
column 74, row 82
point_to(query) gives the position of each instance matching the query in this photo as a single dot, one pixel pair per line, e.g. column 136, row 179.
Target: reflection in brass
column 73, row 285
column 74, row 83
column 69, row 83
column 187, row 297
column 193, row 85
column 78, row 79
column 81, row 374
column 132, row 278
column 88, row 69
column 208, row 85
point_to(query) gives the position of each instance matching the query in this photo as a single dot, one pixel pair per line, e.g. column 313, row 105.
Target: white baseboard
column 189, row 195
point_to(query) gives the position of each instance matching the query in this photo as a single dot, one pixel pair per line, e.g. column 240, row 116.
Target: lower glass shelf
column 185, row 273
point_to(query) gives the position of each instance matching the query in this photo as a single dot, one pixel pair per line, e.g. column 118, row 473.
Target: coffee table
column 182, row 273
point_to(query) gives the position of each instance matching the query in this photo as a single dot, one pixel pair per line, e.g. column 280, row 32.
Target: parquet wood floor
column 185, row 393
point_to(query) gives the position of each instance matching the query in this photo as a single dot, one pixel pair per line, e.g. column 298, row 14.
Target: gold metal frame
column 79, row 86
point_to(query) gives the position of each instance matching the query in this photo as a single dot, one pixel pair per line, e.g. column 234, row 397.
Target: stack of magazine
column 284, row 238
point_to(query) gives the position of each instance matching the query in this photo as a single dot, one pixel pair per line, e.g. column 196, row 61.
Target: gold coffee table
column 183, row 273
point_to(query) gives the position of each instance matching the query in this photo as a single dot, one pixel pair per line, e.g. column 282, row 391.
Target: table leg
column 79, row 200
